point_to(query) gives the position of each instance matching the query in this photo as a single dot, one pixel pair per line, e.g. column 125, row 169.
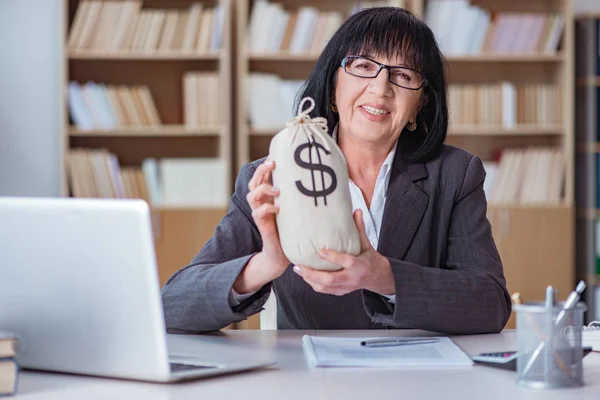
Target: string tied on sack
column 303, row 117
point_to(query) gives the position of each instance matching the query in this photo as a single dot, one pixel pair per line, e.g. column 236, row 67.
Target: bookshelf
column 587, row 141
column 527, row 86
column 148, row 61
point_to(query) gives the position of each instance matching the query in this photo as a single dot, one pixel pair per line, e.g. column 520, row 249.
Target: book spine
column 15, row 385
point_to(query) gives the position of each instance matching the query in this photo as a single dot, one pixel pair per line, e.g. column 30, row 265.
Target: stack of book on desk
column 9, row 369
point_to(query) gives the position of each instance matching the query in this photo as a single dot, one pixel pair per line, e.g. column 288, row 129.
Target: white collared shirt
column 373, row 216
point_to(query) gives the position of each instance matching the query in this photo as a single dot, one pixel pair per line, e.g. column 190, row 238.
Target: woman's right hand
column 270, row 263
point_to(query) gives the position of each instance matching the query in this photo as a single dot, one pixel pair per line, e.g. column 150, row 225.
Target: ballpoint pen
column 570, row 303
column 397, row 342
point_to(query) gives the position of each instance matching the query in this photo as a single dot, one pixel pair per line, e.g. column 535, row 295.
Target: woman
column 427, row 260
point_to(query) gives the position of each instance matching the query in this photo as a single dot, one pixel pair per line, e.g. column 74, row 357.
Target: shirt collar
column 387, row 163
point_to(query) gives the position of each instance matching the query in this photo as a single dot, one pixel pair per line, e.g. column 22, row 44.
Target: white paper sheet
column 348, row 352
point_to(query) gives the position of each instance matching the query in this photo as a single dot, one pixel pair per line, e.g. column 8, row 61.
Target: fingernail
column 297, row 270
column 269, row 161
column 323, row 253
column 274, row 190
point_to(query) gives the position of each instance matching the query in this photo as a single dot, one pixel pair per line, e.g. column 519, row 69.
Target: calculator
column 501, row 359
column 506, row 359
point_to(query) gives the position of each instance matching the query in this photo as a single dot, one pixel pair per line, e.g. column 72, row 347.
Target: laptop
column 79, row 287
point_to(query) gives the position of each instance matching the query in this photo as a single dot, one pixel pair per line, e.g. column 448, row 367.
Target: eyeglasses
column 364, row 67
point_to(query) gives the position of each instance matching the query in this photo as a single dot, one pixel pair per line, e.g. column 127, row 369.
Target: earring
column 411, row 126
column 334, row 108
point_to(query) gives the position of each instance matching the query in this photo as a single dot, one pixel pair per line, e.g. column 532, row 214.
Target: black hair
column 393, row 32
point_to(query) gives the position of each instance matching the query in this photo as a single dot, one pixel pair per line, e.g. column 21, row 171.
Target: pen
column 550, row 303
column 571, row 302
column 397, row 342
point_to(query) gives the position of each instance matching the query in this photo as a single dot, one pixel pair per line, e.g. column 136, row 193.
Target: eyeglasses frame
column 384, row 66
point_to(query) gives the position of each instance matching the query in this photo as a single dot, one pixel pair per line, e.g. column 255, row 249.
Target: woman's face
column 374, row 109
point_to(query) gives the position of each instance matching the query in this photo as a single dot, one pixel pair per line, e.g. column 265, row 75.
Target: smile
column 375, row 111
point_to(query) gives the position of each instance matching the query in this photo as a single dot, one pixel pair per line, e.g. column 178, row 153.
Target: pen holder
column 549, row 346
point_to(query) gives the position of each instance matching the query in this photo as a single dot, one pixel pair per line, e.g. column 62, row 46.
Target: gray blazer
column 435, row 232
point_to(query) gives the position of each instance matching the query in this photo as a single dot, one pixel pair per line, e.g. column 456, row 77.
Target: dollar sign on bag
column 316, row 166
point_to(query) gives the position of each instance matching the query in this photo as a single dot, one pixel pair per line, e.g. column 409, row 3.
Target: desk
column 293, row 379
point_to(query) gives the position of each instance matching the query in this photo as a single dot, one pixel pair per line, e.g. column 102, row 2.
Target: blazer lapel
column 404, row 208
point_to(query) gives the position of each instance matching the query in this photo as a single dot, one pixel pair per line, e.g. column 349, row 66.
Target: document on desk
column 348, row 352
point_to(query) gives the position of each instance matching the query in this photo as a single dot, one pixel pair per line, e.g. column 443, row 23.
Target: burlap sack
column 315, row 204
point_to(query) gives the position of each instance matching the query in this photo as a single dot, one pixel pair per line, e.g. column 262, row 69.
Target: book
column 505, row 104
column 531, row 175
column 201, row 99
column 98, row 105
column 464, row 28
column 116, row 26
column 9, row 371
column 273, row 28
column 9, row 345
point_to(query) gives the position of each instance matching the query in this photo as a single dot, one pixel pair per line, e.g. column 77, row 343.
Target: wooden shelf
column 588, row 15
column 182, row 208
column 147, row 131
column 588, row 147
column 145, row 56
column 278, row 57
column 507, row 58
column 521, row 130
column 264, row 131
column 163, row 73
column 583, row 81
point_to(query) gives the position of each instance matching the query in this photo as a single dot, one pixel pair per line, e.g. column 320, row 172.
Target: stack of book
column 529, row 176
column 123, row 26
column 166, row 182
column 100, row 106
column 201, row 99
column 306, row 30
column 272, row 29
column 9, row 370
column 505, row 104
column 96, row 173
column 462, row 28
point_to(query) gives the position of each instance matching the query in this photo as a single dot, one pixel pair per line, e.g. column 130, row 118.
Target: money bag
column 315, row 207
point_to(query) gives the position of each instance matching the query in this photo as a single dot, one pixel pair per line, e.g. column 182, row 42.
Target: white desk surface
column 292, row 379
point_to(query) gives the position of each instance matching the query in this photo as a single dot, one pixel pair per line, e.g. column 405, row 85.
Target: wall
column 30, row 107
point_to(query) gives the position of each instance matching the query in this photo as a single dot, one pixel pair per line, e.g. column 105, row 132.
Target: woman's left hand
column 368, row 270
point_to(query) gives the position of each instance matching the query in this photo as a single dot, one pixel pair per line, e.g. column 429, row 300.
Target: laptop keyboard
column 175, row 367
